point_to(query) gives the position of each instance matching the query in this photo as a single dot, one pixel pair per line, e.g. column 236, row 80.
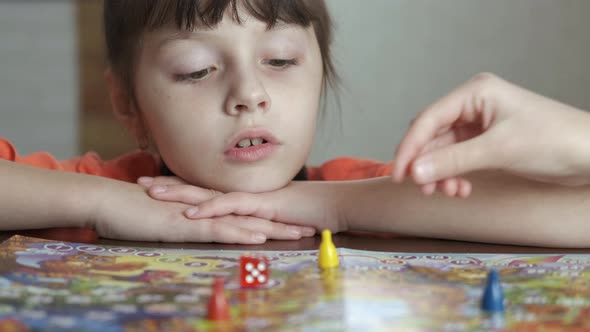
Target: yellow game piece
column 328, row 256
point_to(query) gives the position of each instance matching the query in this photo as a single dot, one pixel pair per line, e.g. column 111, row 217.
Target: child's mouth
column 247, row 142
column 251, row 144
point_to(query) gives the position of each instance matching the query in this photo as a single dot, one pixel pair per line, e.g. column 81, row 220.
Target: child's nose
column 247, row 95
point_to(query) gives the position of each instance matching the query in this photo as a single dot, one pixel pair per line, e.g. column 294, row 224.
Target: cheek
column 177, row 122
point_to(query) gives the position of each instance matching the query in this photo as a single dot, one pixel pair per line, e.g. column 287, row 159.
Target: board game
column 60, row 286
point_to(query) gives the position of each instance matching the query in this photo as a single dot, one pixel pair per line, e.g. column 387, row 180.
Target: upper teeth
column 246, row 142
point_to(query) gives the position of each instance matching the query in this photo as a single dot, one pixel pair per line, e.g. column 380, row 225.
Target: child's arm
column 34, row 198
column 504, row 209
column 37, row 198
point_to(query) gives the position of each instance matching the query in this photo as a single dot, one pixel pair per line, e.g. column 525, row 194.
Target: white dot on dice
column 249, row 267
column 249, row 279
column 261, row 266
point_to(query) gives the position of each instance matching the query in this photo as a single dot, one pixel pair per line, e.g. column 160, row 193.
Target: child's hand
column 174, row 189
column 127, row 212
column 300, row 203
column 489, row 123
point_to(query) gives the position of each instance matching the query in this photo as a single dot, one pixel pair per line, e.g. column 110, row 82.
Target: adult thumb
column 450, row 161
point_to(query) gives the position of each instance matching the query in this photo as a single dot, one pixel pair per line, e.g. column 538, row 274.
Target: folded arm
column 37, row 198
column 504, row 209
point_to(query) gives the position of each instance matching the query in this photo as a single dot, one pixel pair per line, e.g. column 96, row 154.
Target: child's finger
column 272, row 230
column 182, row 193
column 148, row 181
column 243, row 204
column 209, row 230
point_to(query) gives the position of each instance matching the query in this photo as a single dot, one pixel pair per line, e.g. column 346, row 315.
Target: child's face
column 232, row 108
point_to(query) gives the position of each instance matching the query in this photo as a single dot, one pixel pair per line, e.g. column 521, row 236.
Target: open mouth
column 248, row 142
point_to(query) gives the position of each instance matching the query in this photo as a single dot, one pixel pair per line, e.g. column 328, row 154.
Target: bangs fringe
column 191, row 14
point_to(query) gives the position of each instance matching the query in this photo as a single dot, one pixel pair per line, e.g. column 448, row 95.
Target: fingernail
column 145, row 180
column 158, row 189
column 424, row 170
column 191, row 212
column 308, row 231
column 259, row 237
column 294, row 231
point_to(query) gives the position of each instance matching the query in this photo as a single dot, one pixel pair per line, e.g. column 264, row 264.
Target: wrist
column 80, row 200
column 317, row 203
column 577, row 147
column 339, row 201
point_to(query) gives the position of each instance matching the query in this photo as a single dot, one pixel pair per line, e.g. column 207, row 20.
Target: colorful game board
column 59, row 286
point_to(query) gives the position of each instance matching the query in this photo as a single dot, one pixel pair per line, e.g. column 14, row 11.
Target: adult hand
column 489, row 123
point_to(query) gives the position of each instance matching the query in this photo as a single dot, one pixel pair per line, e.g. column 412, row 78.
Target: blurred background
column 395, row 57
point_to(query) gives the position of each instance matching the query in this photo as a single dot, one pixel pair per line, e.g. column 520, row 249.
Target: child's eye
column 195, row 76
column 281, row 63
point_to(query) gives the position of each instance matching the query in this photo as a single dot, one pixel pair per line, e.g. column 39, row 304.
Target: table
column 363, row 241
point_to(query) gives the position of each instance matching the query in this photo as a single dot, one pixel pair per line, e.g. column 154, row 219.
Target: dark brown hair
column 126, row 20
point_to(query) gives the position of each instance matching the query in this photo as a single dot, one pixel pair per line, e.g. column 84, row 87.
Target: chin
column 253, row 185
column 245, row 180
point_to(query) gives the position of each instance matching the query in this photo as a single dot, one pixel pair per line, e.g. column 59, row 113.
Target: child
column 228, row 105
column 225, row 95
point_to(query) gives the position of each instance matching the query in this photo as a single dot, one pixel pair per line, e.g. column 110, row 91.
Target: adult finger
column 452, row 136
column 465, row 104
column 426, row 126
column 452, row 160
column 464, row 188
column 449, row 186
column 428, row 189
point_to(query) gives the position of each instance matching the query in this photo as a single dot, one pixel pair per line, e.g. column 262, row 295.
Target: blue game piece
column 493, row 296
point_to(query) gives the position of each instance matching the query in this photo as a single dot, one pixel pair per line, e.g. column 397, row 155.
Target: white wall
column 38, row 76
column 398, row 56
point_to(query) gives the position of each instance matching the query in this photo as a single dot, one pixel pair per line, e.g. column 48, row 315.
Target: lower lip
column 251, row 153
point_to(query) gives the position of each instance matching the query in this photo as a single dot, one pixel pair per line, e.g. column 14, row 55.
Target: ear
column 125, row 109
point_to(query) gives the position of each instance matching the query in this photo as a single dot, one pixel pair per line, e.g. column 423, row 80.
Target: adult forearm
column 36, row 198
column 503, row 209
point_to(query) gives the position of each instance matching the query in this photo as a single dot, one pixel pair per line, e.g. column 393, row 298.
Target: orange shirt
column 133, row 165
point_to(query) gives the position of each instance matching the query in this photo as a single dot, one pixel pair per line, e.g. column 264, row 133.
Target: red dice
column 253, row 270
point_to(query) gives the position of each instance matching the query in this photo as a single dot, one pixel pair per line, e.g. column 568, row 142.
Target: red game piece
column 253, row 270
column 218, row 308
